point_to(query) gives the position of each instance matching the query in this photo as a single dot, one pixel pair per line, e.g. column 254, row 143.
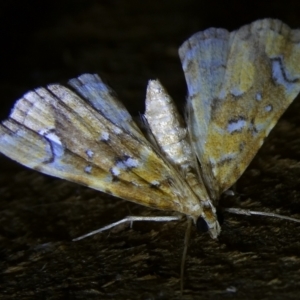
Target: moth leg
column 187, row 238
column 248, row 212
column 130, row 219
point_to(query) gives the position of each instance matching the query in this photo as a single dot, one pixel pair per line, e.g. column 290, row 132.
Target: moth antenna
column 248, row 212
column 129, row 219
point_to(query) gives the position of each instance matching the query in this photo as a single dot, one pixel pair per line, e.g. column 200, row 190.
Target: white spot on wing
column 88, row 169
column 115, row 171
column 120, row 165
column 258, row 96
column 89, row 153
column 125, row 164
column 237, row 125
column 131, row 162
column 104, row 136
column 236, row 91
column 268, row 108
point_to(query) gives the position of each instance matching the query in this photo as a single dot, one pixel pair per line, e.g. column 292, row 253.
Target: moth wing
column 239, row 84
column 57, row 132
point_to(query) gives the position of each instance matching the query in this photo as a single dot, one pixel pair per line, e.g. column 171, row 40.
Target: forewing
column 57, row 132
column 239, row 84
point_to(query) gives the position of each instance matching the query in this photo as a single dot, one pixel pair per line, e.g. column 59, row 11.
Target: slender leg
column 248, row 212
column 130, row 219
column 186, row 244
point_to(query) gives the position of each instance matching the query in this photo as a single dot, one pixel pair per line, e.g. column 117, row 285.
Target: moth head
column 210, row 222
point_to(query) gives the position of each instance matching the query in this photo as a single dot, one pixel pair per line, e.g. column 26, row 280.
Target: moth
column 239, row 84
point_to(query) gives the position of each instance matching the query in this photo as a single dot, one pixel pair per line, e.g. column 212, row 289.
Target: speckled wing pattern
column 87, row 136
column 239, row 84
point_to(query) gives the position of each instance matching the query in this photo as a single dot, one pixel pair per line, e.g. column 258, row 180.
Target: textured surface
column 254, row 257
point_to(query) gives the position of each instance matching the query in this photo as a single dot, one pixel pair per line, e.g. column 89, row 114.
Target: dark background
column 127, row 43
